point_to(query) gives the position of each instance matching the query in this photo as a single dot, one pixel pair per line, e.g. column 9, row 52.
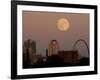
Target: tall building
column 33, row 45
column 32, row 52
column 29, row 50
column 53, row 48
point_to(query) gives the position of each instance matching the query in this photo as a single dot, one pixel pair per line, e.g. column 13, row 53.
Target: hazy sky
column 42, row 27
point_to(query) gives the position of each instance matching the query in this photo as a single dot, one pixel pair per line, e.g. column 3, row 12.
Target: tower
column 33, row 45
column 29, row 50
column 53, row 48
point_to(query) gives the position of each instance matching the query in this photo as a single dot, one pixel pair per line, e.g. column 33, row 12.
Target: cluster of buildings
column 30, row 57
column 71, row 57
column 29, row 54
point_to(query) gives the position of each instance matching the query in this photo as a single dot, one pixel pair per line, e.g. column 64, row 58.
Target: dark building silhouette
column 84, row 61
column 29, row 50
column 70, row 57
column 54, row 60
column 46, row 52
column 33, row 45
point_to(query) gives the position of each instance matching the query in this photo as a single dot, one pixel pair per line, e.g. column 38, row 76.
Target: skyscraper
column 33, row 45
column 29, row 50
column 53, row 48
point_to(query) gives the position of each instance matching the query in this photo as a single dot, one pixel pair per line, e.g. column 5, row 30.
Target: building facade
column 70, row 57
column 53, row 48
column 29, row 50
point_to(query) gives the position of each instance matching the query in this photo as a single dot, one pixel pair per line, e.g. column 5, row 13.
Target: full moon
column 63, row 24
